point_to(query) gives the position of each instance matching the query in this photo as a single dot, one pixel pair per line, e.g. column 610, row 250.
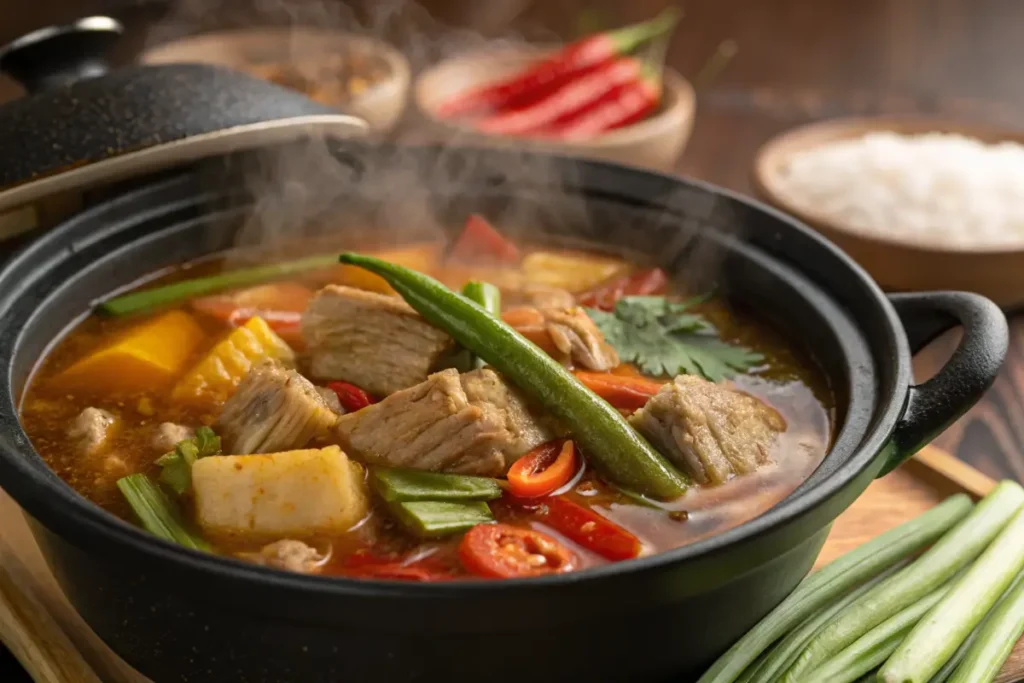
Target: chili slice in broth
column 546, row 468
column 501, row 551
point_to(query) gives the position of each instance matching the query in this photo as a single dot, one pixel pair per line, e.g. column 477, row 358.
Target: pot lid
column 83, row 124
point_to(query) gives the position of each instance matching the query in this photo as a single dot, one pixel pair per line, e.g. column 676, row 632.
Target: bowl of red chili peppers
column 603, row 96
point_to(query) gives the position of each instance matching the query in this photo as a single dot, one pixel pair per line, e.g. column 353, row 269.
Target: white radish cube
column 294, row 494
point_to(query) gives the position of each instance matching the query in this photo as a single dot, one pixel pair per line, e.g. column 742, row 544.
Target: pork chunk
column 288, row 554
column 273, row 409
column 576, row 336
column 709, row 430
column 374, row 341
column 168, row 435
column 465, row 424
column 92, row 430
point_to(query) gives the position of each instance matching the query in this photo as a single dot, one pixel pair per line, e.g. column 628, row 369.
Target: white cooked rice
column 934, row 189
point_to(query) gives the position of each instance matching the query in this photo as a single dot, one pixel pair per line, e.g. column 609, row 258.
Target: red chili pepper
column 562, row 104
column 622, row 106
column 641, row 283
column 546, row 468
column 481, row 241
column 548, row 75
column 364, row 564
column 351, row 397
column 589, row 529
column 501, row 551
column 622, row 391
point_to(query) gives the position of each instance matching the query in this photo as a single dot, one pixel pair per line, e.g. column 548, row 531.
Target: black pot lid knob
column 56, row 56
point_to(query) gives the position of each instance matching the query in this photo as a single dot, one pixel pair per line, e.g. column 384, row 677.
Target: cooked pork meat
column 711, row 431
column 331, row 399
column 466, row 424
column 168, row 435
column 576, row 336
column 92, row 429
column 288, row 554
column 273, row 409
column 374, row 341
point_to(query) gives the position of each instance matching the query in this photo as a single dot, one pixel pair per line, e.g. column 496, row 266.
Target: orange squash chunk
column 147, row 356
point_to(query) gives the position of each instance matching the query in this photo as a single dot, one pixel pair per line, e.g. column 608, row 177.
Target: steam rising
column 302, row 191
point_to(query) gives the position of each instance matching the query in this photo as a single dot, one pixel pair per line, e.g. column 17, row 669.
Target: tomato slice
column 589, row 529
column 501, row 551
column 546, row 468
column 641, row 283
column 351, row 397
column 481, row 241
column 625, row 392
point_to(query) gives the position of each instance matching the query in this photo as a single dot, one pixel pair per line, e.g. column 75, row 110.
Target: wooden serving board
column 56, row 646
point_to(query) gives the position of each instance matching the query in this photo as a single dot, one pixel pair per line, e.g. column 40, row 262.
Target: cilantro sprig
column 177, row 464
column 665, row 337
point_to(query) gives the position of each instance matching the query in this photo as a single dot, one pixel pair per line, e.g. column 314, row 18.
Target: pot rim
column 48, row 499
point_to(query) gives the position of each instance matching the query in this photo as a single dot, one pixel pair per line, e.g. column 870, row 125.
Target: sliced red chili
column 648, row 282
column 351, row 397
column 501, row 551
column 589, row 529
column 397, row 572
column 622, row 391
column 481, row 241
column 546, row 468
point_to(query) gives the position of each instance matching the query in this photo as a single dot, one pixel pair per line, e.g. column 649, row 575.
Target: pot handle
column 56, row 56
column 936, row 404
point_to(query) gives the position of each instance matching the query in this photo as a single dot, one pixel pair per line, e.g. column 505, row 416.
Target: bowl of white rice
column 920, row 203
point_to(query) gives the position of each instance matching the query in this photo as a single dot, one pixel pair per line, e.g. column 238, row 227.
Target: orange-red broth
column 789, row 381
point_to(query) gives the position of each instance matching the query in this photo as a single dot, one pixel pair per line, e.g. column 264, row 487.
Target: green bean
column 936, row 638
column 788, row 649
column 951, row 553
column 604, row 435
column 436, row 518
column 953, row 662
column 399, row 485
column 835, row 579
column 148, row 299
column 995, row 640
column 875, row 646
column 489, row 298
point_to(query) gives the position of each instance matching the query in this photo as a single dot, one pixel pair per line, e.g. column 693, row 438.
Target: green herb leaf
column 177, row 464
column 664, row 338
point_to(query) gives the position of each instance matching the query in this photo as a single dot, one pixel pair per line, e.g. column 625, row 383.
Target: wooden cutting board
column 56, row 646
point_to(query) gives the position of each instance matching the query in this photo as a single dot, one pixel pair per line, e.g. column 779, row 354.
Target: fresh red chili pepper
column 351, row 397
column 501, row 551
column 621, row 106
column 546, row 76
column 589, row 529
column 540, row 116
column 622, row 391
column 546, row 468
column 481, row 241
column 641, row 283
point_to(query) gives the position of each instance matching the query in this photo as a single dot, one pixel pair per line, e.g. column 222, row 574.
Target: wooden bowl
column 248, row 50
column 898, row 264
column 656, row 142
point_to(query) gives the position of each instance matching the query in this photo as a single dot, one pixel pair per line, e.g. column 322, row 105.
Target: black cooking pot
column 179, row 615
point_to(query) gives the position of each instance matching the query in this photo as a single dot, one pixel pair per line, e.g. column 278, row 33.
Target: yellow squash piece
column 217, row 375
column 422, row 258
column 568, row 271
column 290, row 494
column 150, row 355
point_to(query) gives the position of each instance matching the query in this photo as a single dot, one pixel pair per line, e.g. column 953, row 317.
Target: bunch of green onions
column 885, row 613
